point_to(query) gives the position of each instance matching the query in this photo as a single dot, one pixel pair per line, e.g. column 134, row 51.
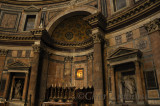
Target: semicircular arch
column 85, row 10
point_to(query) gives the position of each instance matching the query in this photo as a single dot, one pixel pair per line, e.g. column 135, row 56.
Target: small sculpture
column 17, row 91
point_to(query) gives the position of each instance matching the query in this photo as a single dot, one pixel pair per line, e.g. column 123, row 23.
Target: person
column 17, row 92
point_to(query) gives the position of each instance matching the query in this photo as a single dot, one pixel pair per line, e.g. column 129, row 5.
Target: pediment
column 17, row 64
column 123, row 51
column 32, row 9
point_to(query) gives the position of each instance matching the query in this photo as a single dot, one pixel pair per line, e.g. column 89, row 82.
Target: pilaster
column 68, row 70
column 34, row 74
column 153, row 29
column 38, row 33
column 139, row 83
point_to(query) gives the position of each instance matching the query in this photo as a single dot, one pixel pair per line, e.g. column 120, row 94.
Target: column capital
column 96, row 20
column 68, row 59
column 36, row 48
column 97, row 35
column 90, row 56
column 153, row 26
column 3, row 52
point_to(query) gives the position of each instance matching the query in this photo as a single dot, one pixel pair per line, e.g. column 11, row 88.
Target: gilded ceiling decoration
column 72, row 30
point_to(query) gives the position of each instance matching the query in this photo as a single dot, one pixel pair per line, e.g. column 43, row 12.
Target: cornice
column 96, row 20
column 132, row 15
column 18, row 36
column 26, row 3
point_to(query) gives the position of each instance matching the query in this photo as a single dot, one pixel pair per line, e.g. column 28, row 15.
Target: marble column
column 33, row 75
column 6, row 90
column 113, row 94
column 139, row 84
column 153, row 29
column 97, row 36
column 25, row 87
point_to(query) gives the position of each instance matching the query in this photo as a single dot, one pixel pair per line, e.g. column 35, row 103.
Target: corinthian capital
column 97, row 35
column 153, row 25
column 3, row 52
column 36, row 48
column 68, row 59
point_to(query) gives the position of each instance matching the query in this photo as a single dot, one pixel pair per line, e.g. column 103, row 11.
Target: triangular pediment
column 17, row 64
column 32, row 9
column 123, row 51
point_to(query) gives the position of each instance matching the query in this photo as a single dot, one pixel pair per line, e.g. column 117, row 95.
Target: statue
column 17, row 90
column 129, row 90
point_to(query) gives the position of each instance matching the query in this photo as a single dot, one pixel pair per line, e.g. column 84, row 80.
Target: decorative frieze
column 127, row 16
column 36, row 48
column 38, row 32
column 3, row 52
column 153, row 25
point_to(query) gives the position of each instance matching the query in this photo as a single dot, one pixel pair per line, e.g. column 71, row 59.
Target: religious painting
column 80, row 74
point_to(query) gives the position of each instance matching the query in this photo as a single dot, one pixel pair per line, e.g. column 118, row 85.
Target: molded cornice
column 32, row 2
column 96, row 20
column 147, row 7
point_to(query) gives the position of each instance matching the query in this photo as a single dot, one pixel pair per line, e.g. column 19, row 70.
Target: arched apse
column 85, row 10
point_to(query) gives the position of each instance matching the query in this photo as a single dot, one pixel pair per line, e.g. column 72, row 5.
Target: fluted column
column 153, row 29
column 34, row 74
column 139, row 83
column 97, row 36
